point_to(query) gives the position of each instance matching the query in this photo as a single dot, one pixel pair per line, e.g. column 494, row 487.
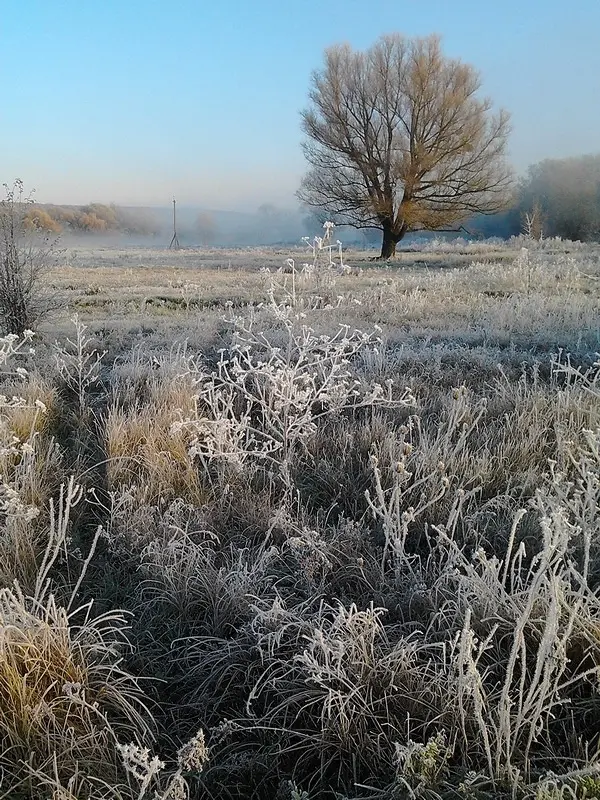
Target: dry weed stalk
column 77, row 364
column 311, row 286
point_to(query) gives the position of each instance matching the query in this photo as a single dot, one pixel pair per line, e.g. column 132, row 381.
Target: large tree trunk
column 390, row 240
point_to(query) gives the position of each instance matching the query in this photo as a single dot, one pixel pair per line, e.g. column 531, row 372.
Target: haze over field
column 135, row 102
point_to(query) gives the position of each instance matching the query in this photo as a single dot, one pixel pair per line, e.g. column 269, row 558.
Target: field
column 313, row 528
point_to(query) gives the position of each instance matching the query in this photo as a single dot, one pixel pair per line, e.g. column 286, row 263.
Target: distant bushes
column 567, row 193
column 557, row 197
column 92, row 218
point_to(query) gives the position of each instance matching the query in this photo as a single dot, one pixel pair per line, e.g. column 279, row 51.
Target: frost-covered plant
column 147, row 769
column 523, row 617
column 262, row 402
column 311, row 285
column 420, row 764
column 389, row 507
column 325, row 251
column 65, row 698
column 25, row 464
column 140, row 764
column 336, row 689
column 296, row 793
column 11, row 445
column 190, row 293
column 12, row 344
column 77, row 364
column 577, row 377
column 427, row 461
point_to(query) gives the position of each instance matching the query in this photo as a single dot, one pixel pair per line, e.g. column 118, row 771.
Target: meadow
column 290, row 524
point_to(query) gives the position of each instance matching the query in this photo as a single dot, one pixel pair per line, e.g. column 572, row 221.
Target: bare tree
column 399, row 140
column 26, row 252
column 532, row 222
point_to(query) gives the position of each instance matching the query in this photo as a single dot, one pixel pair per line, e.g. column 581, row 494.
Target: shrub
column 26, row 253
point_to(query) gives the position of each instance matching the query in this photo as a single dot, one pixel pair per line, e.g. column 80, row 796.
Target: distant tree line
column 557, row 197
column 91, row 218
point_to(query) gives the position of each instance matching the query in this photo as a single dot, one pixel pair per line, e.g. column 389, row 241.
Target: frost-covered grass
column 322, row 528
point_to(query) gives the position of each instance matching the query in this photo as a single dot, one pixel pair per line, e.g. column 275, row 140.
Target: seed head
column 194, row 754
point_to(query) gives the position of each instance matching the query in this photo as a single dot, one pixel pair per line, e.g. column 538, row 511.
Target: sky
column 137, row 101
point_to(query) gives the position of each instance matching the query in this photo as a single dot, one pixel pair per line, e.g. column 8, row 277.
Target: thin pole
column 174, row 241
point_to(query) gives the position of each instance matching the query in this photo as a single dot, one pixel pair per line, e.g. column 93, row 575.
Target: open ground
column 295, row 524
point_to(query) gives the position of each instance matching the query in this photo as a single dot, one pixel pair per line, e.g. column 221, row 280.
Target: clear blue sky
column 133, row 101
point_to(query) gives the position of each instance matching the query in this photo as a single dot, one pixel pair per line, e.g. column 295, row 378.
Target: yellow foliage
column 38, row 219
